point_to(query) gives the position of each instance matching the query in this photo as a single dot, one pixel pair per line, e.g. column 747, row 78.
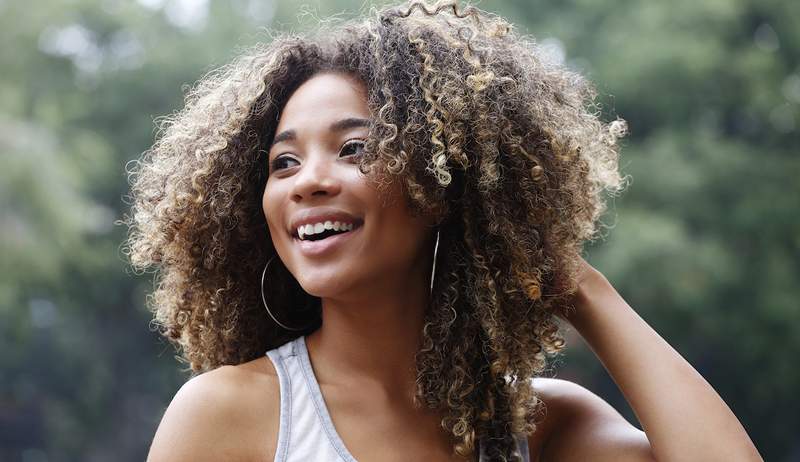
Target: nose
column 317, row 177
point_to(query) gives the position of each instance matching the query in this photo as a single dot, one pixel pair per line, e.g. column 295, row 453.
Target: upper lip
column 321, row 215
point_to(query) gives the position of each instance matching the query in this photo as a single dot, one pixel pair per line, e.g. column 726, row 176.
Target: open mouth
column 323, row 231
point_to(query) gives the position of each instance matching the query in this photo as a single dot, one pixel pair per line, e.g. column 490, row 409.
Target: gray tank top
column 306, row 430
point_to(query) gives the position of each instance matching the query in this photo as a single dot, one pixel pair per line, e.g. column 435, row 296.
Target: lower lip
column 327, row 245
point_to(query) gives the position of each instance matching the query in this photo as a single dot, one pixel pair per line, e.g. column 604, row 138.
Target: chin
column 324, row 286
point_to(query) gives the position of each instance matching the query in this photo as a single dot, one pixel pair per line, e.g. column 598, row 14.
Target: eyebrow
column 338, row 126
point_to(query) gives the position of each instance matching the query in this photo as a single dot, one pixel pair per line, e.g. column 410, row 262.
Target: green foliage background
column 704, row 244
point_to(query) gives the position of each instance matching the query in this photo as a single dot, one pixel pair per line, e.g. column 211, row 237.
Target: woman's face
column 315, row 185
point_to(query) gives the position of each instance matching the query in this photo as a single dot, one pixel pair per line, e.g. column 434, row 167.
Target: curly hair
column 503, row 147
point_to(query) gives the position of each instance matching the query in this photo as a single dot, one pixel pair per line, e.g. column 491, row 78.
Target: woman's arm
column 681, row 414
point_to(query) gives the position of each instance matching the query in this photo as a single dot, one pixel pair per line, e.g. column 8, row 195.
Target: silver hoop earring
column 264, row 299
column 435, row 250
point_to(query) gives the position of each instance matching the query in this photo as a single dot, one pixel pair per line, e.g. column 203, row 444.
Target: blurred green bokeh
column 705, row 243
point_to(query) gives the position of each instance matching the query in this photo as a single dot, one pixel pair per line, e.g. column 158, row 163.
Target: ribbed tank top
column 306, row 430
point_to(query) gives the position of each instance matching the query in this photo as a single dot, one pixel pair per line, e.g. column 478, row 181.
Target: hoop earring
column 433, row 270
column 264, row 299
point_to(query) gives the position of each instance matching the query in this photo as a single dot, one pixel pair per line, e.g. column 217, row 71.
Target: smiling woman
column 413, row 190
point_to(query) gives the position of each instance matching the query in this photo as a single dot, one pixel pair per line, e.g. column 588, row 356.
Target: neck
column 372, row 337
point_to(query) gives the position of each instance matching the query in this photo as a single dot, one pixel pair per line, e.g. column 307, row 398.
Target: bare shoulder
column 579, row 425
column 230, row 413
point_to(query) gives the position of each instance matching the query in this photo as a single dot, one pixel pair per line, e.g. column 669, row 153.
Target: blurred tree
column 704, row 244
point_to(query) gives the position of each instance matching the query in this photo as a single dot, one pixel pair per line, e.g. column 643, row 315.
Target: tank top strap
column 522, row 447
column 306, row 431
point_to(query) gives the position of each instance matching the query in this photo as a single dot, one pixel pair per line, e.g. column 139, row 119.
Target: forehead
column 325, row 97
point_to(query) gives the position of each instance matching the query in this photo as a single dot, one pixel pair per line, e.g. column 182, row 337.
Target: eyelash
column 276, row 163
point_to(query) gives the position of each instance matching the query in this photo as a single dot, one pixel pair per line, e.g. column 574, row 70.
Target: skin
column 373, row 303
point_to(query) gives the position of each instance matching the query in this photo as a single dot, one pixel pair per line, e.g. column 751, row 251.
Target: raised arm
column 681, row 414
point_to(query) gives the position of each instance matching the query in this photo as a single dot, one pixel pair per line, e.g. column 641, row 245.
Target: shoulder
column 243, row 400
column 579, row 425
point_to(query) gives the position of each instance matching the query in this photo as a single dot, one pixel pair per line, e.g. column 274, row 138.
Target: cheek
column 270, row 207
column 402, row 235
column 399, row 230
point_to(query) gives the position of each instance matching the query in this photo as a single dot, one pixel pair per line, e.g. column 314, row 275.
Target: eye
column 279, row 163
column 352, row 148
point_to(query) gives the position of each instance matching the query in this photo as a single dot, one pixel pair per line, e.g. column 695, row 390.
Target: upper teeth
column 316, row 228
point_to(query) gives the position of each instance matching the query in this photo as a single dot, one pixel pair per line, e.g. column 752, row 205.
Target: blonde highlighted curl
column 502, row 146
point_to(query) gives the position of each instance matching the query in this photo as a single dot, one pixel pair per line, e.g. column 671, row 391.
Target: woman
column 393, row 210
